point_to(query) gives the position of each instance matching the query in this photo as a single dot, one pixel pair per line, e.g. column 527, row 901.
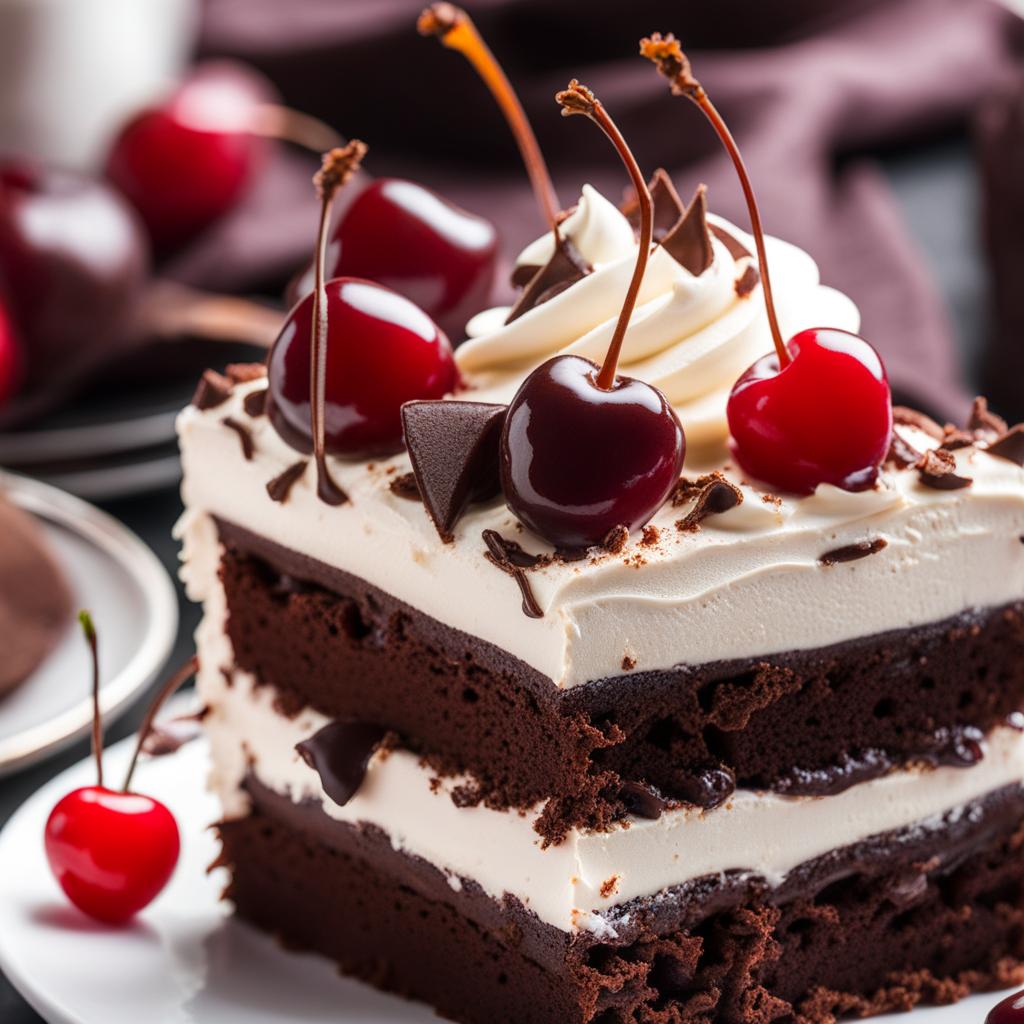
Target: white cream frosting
column 572, row 884
column 690, row 336
column 749, row 583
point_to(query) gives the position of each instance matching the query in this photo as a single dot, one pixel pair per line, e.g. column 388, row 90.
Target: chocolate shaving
column 281, row 486
column 339, row 754
column 717, row 495
column 510, row 558
column 904, row 416
column 852, row 552
column 901, row 453
column 689, row 242
column 983, row 421
column 667, row 206
column 212, row 390
column 937, row 469
column 453, row 447
column 244, row 436
column 747, row 281
column 255, row 403
column 405, row 486
column 244, row 373
column 1009, row 446
column 565, row 267
column 737, row 250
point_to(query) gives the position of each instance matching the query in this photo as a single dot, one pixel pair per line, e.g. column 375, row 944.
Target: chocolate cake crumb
column 245, row 373
column 651, row 535
column 255, row 403
column 937, row 469
column 212, row 390
column 244, row 436
column 609, row 887
column 405, row 486
column 717, row 495
column 281, row 486
column 616, row 540
column 628, row 663
column 1009, row 445
column 904, row 416
column 772, row 499
column 852, row 552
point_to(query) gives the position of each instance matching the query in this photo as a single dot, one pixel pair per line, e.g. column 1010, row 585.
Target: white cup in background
column 71, row 71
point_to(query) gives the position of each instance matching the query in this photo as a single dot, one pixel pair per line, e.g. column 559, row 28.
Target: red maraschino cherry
column 819, row 409
column 185, row 163
column 414, row 241
column 113, row 851
column 351, row 354
column 583, row 451
column 1009, row 1011
column 11, row 358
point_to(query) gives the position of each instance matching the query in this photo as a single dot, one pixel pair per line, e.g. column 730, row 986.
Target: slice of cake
column 752, row 754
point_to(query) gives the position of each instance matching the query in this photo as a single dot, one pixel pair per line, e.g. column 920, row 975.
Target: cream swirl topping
column 690, row 336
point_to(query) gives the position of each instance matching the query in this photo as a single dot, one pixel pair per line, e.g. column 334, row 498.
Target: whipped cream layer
column 691, row 336
column 569, row 886
column 749, row 583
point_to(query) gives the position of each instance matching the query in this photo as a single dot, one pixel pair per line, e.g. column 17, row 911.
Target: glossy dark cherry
column 414, row 241
column 825, row 418
column 111, row 852
column 187, row 162
column 382, row 351
column 11, row 358
column 1009, row 1011
column 578, row 461
column 73, row 261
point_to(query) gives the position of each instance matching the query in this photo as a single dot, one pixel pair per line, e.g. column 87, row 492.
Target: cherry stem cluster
column 578, row 99
column 454, row 27
column 667, row 55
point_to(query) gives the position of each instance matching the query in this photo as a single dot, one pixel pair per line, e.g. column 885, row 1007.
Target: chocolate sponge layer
column 809, row 721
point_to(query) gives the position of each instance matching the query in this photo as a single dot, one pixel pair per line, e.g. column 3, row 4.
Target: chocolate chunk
column 852, row 552
column 243, row 373
column 937, row 469
column 1009, row 446
column 339, row 754
column 565, row 267
column 717, row 495
column 453, row 447
column 642, row 801
column 255, row 403
column 747, row 281
column 281, row 486
column 212, row 390
column 510, row 558
column 668, row 207
column 689, row 242
column 904, row 416
column 983, row 421
column 244, row 436
column 953, row 438
column 405, row 486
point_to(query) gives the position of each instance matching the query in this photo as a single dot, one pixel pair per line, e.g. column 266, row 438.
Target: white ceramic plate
column 132, row 600
column 185, row 961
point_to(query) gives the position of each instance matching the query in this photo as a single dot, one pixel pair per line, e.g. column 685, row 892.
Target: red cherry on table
column 824, row 418
column 382, row 351
column 414, row 241
column 11, row 359
column 578, row 461
column 111, row 852
column 187, row 162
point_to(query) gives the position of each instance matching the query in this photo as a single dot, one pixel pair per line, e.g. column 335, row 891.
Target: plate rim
column 116, row 540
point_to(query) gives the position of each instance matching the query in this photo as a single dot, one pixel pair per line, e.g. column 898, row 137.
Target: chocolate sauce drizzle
column 281, row 486
column 244, row 436
column 715, row 495
column 510, row 558
column 852, row 552
column 339, row 754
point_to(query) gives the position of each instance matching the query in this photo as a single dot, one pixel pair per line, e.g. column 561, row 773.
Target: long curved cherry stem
column 97, row 721
column 274, row 121
column 578, row 99
column 338, row 167
column 172, row 685
column 454, row 27
column 667, row 55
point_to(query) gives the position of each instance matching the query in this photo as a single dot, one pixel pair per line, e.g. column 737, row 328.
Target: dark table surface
column 937, row 190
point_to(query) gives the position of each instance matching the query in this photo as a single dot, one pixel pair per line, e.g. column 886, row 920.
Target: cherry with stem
column 583, row 451
column 818, row 410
